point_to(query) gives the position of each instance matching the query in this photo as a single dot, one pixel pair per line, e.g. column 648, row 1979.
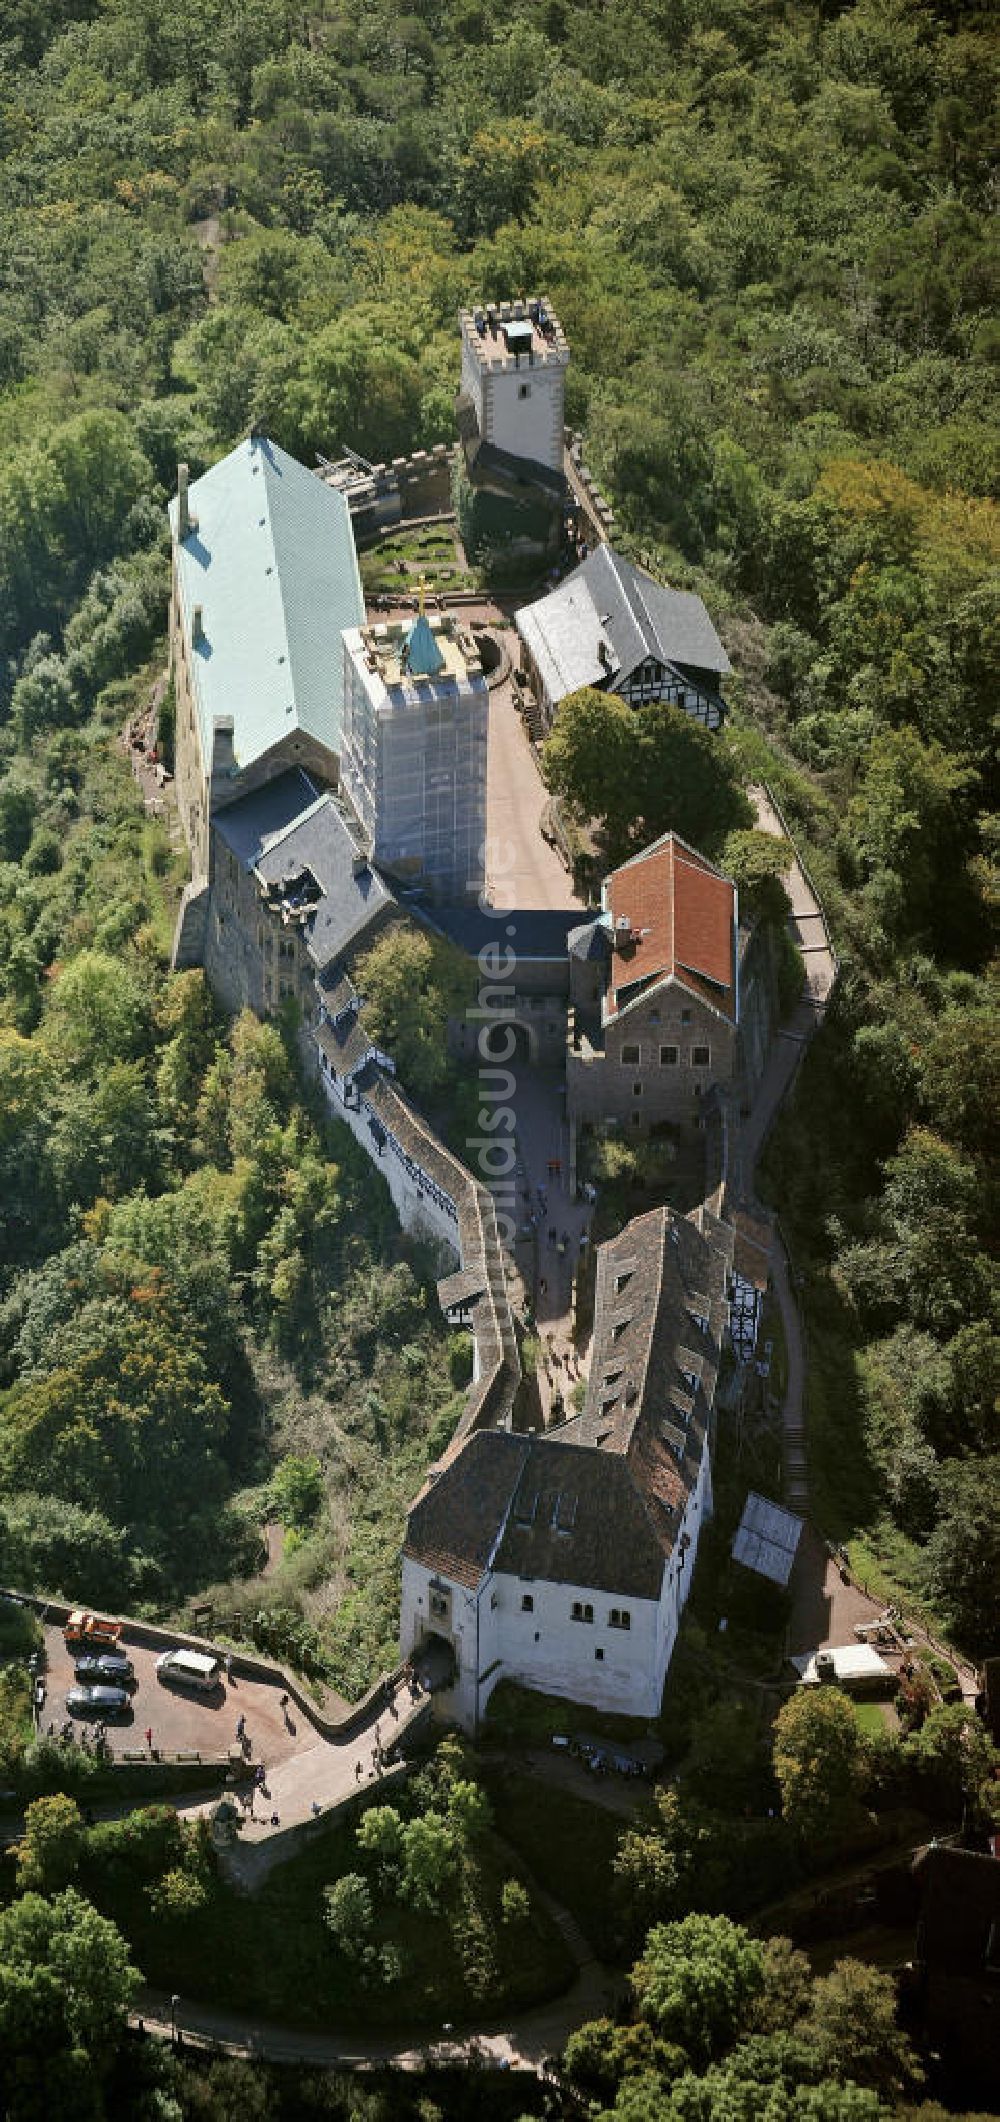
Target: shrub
column 515, row 1905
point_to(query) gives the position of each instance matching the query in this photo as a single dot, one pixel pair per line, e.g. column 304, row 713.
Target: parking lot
column 180, row 1722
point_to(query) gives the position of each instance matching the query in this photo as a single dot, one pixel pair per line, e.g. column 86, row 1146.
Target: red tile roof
column 681, row 916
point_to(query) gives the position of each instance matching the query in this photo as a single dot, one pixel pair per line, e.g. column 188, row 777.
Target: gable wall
column 600, row 1086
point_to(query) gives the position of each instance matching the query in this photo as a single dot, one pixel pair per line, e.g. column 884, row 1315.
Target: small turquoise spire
column 423, row 655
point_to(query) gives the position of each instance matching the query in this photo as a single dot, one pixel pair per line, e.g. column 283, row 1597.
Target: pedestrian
column 543, row 1287
column 241, row 1727
column 552, row 1234
column 149, row 1738
column 229, row 1667
column 260, row 1774
column 358, row 1771
column 284, row 1707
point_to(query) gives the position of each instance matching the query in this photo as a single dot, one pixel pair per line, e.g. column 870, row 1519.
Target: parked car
column 103, row 1702
column 189, row 1668
column 106, row 1665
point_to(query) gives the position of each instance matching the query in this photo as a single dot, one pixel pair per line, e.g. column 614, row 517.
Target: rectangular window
column 581, row 1612
column 438, row 1605
column 524, row 390
column 701, row 1056
column 631, row 1056
column 637, row 1090
column 599, row 1655
column 619, row 1617
column 527, row 1603
column 668, row 1056
column 685, row 1016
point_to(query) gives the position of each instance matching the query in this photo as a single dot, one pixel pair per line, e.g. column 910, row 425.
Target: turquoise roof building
column 267, row 576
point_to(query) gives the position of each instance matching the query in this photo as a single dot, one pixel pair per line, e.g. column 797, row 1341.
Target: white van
column 189, row 1668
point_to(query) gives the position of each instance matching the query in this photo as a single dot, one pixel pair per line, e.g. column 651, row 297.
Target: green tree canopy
column 697, row 1982
column 963, row 1553
column 66, row 1983
column 410, row 985
column 817, row 1759
column 642, row 771
column 99, row 1013
column 49, row 1852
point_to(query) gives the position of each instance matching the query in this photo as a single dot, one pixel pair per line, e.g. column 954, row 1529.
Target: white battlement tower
column 514, row 362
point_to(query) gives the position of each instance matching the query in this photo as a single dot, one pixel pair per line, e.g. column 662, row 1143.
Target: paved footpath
column 809, row 933
column 520, row 2045
column 522, row 868
column 315, row 1782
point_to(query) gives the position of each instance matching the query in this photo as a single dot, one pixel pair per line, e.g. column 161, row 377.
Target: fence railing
column 807, row 874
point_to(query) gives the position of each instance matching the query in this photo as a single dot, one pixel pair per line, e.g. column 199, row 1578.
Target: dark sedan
column 102, row 1702
column 106, row 1667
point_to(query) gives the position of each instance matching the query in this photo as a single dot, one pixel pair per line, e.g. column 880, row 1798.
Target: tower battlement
column 514, row 361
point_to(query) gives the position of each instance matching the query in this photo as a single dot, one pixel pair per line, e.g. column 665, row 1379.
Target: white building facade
column 609, row 1649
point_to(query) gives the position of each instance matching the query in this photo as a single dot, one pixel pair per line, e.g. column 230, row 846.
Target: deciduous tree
column 816, row 1759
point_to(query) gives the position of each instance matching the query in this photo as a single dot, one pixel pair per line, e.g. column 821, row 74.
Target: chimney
column 197, row 627
column 185, row 520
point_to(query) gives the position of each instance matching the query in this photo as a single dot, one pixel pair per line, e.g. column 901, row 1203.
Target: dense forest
column 766, row 228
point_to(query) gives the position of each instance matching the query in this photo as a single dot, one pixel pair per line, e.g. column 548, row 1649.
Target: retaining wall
column 419, row 485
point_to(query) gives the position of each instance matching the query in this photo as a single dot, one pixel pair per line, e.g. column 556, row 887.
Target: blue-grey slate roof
column 533, row 932
column 590, row 940
column 248, row 824
column 353, row 894
column 608, row 601
column 272, row 563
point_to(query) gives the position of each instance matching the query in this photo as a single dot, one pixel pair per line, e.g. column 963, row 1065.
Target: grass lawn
column 872, row 1719
column 397, row 563
column 272, row 1954
column 568, row 1844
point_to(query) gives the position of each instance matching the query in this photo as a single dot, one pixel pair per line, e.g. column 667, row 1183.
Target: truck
column 91, row 1629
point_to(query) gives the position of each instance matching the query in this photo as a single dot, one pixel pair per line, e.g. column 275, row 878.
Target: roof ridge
column 613, row 561
column 268, row 458
column 270, row 841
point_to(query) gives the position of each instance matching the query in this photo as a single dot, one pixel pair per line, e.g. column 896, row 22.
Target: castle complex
column 332, row 780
